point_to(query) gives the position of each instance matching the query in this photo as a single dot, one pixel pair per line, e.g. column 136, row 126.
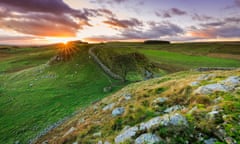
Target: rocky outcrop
column 148, row 138
column 126, row 135
column 118, row 111
column 226, row 85
column 165, row 120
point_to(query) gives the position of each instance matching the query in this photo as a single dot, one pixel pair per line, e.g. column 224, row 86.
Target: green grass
column 36, row 97
column 188, row 61
column 33, row 96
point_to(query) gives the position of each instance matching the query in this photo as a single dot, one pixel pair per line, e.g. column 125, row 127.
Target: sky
column 50, row 21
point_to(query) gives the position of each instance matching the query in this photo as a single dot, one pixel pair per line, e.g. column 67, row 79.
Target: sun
column 60, row 40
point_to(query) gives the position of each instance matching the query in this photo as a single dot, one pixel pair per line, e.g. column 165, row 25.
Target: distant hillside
column 156, row 42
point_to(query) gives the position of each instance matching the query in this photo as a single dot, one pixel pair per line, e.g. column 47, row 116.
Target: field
column 178, row 57
column 34, row 96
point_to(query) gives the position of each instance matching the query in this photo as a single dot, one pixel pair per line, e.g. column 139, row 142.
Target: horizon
column 33, row 22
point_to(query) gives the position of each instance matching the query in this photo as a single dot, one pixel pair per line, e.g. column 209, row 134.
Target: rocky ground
column 185, row 107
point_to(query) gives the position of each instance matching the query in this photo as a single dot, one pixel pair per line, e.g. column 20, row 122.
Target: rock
column 69, row 131
column 100, row 142
column 160, row 100
column 148, row 75
column 206, row 77
column 107, row 89
column 75, row 143
column 151, row 124
column 178, row 119
column 108, row 107
column 126, row 135
column 230, row 140
column 211, row 88
column 231, row 82
column 193, row 84
column 127, row 96
column 98, row 134
column 193, row 110
column 148, row 138
column 31, row 85
column 45, row 142
column 17, row 142
column 165, row 120
column 173, row 109
column 217, row 100
column 118, row 111
column 106, row 142
column 210, row 141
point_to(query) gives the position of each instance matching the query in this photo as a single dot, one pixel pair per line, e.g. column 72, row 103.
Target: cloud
column 109, row 1
column 170, row 13
column 237, row 2
column 116, row 23
column 201, row 17
column 44, row 17
column 228, row 31
column 156, row 31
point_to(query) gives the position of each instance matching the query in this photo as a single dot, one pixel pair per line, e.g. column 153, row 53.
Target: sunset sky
column 50, row 21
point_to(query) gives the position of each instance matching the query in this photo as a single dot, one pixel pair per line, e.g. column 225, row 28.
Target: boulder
column 151, row 124
column 206, row 77
column 231, row 82
column 211, row 88
column 160, row 100
column 107, row 89
column 108, row 107
column 126, row 135
column 127, row 96
column 173, row 108
column 118, row 111
column 165, row 120
column 148, row 138
column 210, row 141
column 196, row 83
column 178, row 119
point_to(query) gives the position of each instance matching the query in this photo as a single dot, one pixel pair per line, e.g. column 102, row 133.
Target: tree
column 125, row 63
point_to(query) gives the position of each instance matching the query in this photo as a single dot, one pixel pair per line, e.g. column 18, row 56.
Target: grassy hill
column 174, row 109
column 34, row 96
column 178, row 57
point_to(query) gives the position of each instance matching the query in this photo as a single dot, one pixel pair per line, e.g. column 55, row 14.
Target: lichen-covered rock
column 118, row 111
column 226, row 85
column 208, row 89
column 210, row 141
column 231, row 82
column 178, row 119
column 126, row 135
column 108, row 107
column 165, row 120
column 196, row 83
column 151, row 124
column 160, row 100
column 173, row 108
column 206, row 77
column 127, row 96
column 148, row 138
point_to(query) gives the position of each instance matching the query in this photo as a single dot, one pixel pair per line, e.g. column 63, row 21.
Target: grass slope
column 177, row 57
column 36, row 97
column 94, row 124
